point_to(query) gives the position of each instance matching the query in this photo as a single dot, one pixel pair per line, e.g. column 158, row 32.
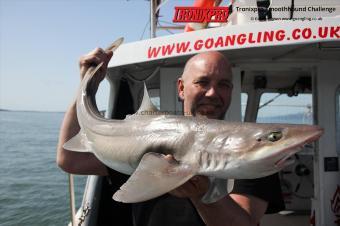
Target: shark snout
column 306, row 135
column 316, row 133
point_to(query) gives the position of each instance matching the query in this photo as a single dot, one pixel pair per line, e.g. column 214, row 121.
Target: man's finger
column 96, row 51
column 96, row 56
column 90, row 60
column 109, row 54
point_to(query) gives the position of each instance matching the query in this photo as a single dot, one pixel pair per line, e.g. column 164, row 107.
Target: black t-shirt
column 168, row 210
column 266, row 188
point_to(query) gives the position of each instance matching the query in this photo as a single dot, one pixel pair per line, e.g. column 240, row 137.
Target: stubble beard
column 194, row 112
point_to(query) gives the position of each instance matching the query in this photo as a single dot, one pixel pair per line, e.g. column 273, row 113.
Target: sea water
column 33, row 190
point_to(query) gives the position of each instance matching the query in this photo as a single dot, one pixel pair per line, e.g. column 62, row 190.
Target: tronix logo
column 200, row 14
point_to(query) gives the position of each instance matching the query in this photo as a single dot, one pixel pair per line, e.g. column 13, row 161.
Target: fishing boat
column 292, row 54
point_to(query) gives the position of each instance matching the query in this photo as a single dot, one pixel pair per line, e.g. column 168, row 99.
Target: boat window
column 244, row 99
column 154, row 97
column 102, row 96
column 280, row 108
column 337, row 118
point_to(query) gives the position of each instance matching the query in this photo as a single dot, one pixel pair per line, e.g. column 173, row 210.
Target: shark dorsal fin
column 146, row 105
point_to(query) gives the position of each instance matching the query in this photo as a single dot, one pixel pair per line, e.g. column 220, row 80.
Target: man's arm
column 232, row 210
column 77, row 162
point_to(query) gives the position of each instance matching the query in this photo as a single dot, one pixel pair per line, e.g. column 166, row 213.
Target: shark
column 140, row 146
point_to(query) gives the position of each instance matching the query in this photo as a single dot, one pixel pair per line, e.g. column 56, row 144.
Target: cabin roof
column 275, row 40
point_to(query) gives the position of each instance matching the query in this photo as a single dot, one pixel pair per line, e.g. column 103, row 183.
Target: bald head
column 205, row 59
column 205, row 86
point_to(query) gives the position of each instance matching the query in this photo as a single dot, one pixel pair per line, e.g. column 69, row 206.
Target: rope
column 291, row 10
column 269, row 101
column 72, row 202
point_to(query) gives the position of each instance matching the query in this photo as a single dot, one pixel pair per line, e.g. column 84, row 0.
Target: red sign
column 335, row 205
column 200, row 14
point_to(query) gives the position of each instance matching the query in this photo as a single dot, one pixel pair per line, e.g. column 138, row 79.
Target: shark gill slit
column 212, row 161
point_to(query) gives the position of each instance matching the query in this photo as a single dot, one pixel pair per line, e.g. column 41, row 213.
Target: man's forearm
column 225, row 212
column 69, row 128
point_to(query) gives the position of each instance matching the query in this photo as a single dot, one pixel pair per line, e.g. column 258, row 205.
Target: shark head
column 257, row 150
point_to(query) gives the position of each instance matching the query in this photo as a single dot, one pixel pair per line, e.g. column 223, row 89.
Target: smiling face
column 205, row 86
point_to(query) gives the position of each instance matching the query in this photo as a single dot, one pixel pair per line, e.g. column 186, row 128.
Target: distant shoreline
column 294, row 116
column 9, row 110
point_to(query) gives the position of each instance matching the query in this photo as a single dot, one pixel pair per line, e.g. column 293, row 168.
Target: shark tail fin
column 78, row 143
column 218, row 189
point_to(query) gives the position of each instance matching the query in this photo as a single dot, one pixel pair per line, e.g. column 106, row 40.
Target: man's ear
column 180, row 88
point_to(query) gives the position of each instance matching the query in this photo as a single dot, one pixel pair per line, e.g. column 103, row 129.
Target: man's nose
column 211, row 92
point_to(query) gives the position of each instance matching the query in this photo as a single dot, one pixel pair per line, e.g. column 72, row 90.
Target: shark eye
column 274, row 136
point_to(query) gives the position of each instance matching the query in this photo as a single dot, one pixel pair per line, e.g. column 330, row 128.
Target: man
column 205, row 88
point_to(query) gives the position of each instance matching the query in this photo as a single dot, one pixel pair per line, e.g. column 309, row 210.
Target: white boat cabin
column 283, row 71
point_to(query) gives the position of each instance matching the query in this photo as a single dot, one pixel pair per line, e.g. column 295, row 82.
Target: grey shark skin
column 139, row 145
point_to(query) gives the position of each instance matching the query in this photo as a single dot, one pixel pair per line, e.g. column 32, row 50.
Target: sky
column 41, row 42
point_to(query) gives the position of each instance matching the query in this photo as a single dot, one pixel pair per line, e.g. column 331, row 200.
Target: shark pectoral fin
column 154, row 176
column 78, row 143
column 218, row 189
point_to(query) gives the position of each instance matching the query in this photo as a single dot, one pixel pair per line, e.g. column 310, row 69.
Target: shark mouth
column 287, row 159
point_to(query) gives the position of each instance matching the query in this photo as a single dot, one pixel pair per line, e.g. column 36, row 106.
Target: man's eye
column 226, row 84
column 201, row 82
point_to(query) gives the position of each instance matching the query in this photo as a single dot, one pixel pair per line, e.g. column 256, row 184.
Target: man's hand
column 195, row 188
column 94, row 58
